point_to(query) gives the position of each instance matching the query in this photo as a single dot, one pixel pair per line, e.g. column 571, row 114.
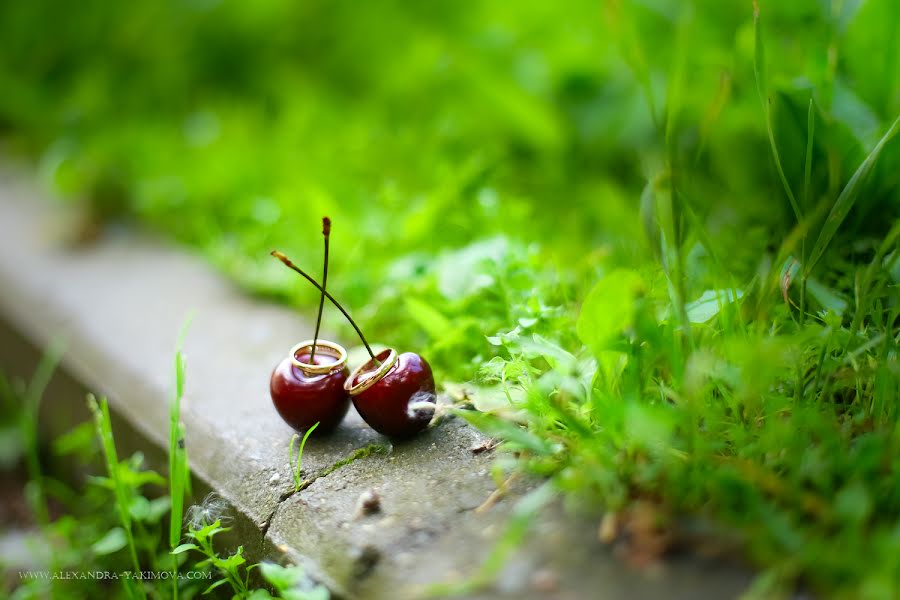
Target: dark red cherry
column 304, row 399
column 394, row 394
column 397, row 398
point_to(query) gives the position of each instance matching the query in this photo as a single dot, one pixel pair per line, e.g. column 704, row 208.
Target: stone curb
column 120, row 303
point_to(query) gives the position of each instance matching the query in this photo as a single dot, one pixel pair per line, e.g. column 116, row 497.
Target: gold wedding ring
column 324, row 347
column 355, row 388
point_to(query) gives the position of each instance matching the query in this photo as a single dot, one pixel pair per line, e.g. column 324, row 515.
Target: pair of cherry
column 394, row 393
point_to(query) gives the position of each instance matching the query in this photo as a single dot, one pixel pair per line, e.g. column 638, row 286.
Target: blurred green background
column 487, row 165
column 437, row 134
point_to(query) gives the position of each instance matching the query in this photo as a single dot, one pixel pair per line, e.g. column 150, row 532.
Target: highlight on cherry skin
column 306, row 390
column 394, row 394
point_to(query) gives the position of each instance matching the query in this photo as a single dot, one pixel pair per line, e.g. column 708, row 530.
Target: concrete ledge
column 120, row 303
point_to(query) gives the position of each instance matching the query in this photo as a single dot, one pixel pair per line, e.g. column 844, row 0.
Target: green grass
column 297, row 465
column 657, row 240
column 179, row 465
column 85, row 537
column 122, row 502
column 29, row 427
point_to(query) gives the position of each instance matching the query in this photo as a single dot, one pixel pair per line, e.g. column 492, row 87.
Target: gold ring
column 372, row 378
column 335, row 351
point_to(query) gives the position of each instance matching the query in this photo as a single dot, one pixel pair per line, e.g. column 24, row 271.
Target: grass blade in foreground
column 100, row 410
column 33, row 395
column 848, row 197
column 179, row 468
column 295, row 471
column 759, row 69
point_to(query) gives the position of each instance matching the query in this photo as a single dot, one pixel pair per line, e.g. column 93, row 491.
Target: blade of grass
column 102, row 422
column 792, row 245
column 659, row 225
column 177, row 457
column 759, row 70
column 807, row 180
column 864, row 296
column 179, row 468
column 713, row 112
column 810, row 138
column 178, row 463
column 633, row 53
column 179, row 388
column 33, row 395
column 675, row 98
column 673, row 262
column 848, row 197
column 675, row 92
column 296, row 471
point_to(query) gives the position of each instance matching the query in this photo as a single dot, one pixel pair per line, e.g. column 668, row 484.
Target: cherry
column 304, row 397
column 306, row 387
column 396, row 397
column 394, row 394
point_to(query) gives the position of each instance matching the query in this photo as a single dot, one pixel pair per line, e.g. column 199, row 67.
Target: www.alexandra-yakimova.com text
column 106, row 575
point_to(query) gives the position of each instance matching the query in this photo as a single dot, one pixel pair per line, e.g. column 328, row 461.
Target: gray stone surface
column 120, row 303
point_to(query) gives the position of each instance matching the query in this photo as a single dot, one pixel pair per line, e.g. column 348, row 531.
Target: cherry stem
column 326, row 233
column 287, row 262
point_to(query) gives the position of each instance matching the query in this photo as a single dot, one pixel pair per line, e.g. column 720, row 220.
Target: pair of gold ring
column 339, row 354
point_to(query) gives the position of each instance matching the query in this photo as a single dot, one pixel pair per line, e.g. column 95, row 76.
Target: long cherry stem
column 287, row 262
column 326, row 233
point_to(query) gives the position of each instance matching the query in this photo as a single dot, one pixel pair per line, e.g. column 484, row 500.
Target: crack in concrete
column 358, row 454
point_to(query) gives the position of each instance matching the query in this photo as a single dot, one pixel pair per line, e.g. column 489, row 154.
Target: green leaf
column 848, row 197
column 497, row 399
column 214, row 586
column 183, row 548
column 100, row 481
column 554, row 354
column 231, row 563
column 505, row 338
column 158, row 507
column 608, row 310
column 280, row 577
column 825, row 296
column 207, row 531
column 292, row 583
column 139, row 508
column 113, row 541
column 78, row 440
column 710, row 303
column 133, row 477
column 859, row 118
